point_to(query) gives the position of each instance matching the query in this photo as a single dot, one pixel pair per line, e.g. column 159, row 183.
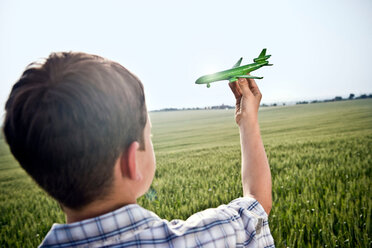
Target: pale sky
column 319, row 49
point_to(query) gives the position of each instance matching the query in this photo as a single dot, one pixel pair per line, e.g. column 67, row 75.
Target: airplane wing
column 235, row 78
column 237, row 64
column 248, row 76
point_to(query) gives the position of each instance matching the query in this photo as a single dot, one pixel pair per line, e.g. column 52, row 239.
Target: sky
column 320, row 49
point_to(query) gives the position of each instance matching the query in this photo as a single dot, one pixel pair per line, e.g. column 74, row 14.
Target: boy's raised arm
column 256, row 176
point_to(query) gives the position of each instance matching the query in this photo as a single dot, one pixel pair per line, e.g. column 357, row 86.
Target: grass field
column 320, row 158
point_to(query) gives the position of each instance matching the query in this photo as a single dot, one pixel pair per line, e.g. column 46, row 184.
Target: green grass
column 320, row 158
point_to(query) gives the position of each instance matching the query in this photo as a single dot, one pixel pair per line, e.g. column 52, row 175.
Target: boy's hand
column 248, row 98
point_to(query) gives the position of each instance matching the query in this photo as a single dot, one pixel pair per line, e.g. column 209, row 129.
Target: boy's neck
column 116, row 198
column 94, row 209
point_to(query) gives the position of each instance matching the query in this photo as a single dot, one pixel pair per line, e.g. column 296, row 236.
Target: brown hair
column 68, row 120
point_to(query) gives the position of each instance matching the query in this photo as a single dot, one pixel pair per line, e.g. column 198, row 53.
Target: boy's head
column 69, row 118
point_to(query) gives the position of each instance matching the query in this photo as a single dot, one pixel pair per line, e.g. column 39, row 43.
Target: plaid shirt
column 241, row 223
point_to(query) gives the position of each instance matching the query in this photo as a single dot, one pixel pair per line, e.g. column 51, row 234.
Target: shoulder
column 242, row 222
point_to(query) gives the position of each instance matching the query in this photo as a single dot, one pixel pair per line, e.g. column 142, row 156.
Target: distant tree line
column 338, row 98
column 223, row 106
column 273, row 104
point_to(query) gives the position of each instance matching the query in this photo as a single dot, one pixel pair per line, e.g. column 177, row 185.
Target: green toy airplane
column 237, row 71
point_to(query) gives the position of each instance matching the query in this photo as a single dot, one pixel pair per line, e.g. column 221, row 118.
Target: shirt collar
column 127, row 219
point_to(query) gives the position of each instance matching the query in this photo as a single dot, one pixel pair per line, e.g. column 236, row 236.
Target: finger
column 253, row 87
column 244, row 86
column 234, row 86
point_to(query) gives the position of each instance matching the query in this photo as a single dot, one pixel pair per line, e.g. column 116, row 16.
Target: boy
column 78, row 124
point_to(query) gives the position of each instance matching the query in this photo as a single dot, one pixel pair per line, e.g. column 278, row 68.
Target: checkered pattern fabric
column 241, row 223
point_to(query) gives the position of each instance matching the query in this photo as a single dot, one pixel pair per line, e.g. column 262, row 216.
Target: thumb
column 244, row 86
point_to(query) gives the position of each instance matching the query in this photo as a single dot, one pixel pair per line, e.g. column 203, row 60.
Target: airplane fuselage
column 230, row 73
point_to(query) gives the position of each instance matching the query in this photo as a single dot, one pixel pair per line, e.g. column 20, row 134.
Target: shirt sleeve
column 253, row 218
column 241, row 223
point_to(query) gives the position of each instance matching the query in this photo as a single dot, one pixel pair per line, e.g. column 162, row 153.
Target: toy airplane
column 237, row 71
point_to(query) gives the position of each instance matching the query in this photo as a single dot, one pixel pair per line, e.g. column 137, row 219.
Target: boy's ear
column 128, row 162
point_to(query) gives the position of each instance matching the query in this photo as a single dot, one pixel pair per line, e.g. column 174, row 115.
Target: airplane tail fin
column 262, row 57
